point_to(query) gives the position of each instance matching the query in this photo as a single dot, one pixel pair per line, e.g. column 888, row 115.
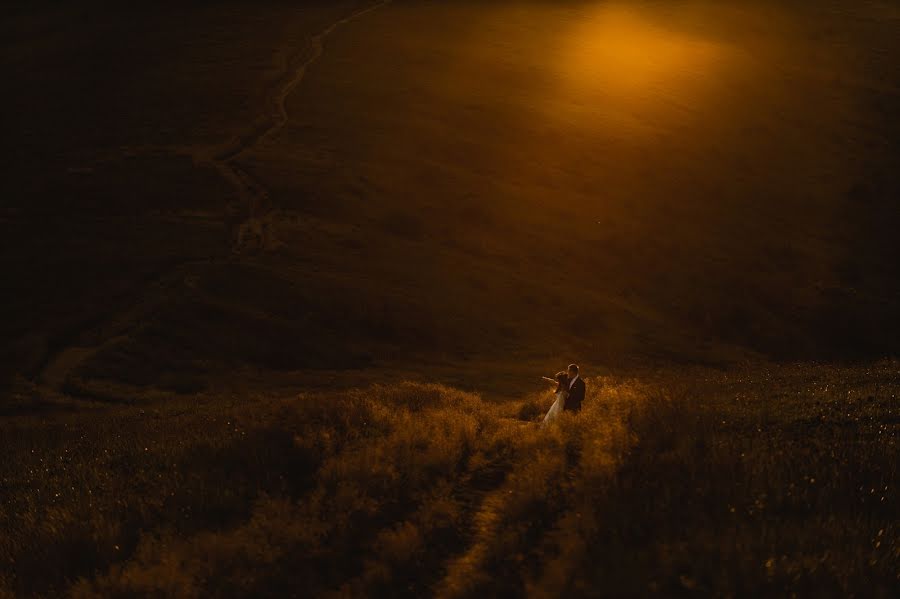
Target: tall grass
column 417, row 490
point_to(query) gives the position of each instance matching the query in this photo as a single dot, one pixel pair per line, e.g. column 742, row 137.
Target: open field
column 752, row 482
column 280, row 280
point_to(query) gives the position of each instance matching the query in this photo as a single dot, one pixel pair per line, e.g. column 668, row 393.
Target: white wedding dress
column 555, row 409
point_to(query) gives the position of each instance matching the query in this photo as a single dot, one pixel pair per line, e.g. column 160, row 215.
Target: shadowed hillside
column 432, row 199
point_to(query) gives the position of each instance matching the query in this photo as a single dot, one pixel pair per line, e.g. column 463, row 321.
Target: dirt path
column 255, row 232
column 60, row 366
column 57, row 370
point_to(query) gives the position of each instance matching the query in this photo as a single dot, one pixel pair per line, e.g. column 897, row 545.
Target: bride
column 562, row 391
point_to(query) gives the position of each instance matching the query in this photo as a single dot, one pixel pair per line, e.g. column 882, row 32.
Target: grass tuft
column 413, row 489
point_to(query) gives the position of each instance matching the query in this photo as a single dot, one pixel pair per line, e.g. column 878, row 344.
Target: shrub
column 531, row 409
column 415, row 490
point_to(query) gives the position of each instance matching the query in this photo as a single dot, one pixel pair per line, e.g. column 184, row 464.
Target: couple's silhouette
column 570, row 390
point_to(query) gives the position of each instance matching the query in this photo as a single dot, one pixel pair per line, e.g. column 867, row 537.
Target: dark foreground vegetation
column 748, row 483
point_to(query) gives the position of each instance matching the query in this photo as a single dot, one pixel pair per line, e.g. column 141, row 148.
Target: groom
column 576, row 391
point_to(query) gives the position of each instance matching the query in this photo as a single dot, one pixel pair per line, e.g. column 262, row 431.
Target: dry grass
column 748, row 484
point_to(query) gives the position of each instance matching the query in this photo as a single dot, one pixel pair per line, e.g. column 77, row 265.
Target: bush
column 416, row 490
column 531, row 409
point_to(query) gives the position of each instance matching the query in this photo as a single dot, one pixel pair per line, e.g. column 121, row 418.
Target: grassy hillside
column 688, row 202
column 103, row 205
column 456, row 182
column 759, row 481
column 462, row 196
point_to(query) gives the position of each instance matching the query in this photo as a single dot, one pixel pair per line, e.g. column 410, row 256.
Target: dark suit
column 576, row 396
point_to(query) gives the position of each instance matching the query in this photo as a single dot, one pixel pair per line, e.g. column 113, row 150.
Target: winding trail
column 254, row 232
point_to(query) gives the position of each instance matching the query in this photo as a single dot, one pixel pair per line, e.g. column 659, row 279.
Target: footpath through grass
column 759, row 482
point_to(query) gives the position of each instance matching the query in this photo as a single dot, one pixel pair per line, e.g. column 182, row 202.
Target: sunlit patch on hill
column 616, row 55
column 617, row 49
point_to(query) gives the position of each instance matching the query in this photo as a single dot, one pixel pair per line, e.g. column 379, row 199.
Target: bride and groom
column 569, row 394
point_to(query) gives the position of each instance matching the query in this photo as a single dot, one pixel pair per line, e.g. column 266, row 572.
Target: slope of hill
column 454, row 181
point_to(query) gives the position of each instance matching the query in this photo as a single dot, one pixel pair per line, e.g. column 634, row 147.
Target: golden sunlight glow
column 617, row 55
